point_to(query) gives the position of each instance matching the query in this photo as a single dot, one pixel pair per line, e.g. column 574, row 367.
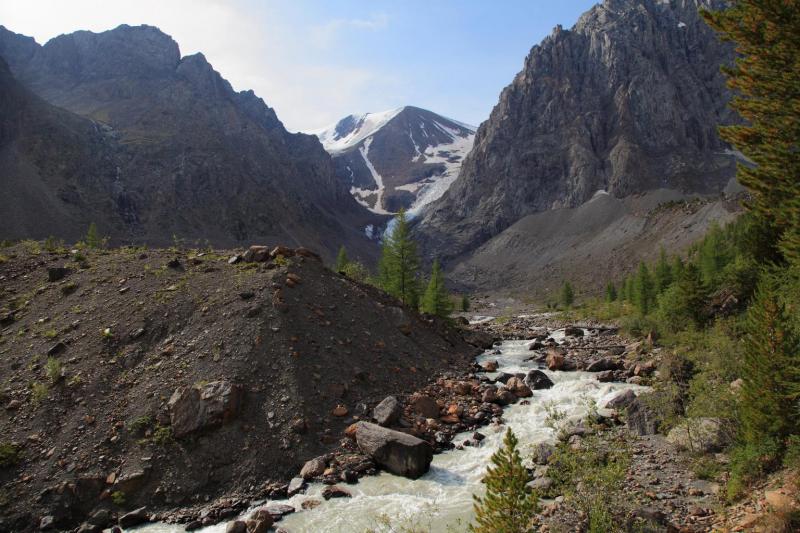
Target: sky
column 316, row 61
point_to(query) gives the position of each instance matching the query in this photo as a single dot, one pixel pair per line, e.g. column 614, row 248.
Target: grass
column 118, row 498
column 50, row 334
column 39, row 392
column 53, row 370
column 140, row 424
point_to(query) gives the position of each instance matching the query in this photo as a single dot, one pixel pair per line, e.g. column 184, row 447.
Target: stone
column 309, row 504
column 425, row 406
column 279, row 510
column 399, row 453
column 234, row 259
column 606, row 376
column 237, row 526
column 555, row 359
column 296, row 486
column 504, row 397
column 203, row 406
column 339, row 411
column 56, row 349
column 537, row 380
column 572, row 331
column 256, row 254
column 641, row 419
column 518, row 388
column 282, row 251
column 57, row 273
column 46, row 523
column 704, row 435
column 477, row 338
column 541, row 484
column 314, row 468
column 602, row 364
column 489, row 366
column 779, row 500
column 388, row 412
column 621, row 400
column 258, row 526
column 335, row 491
column 133, row 518
column 542, row 452
column 13, row 405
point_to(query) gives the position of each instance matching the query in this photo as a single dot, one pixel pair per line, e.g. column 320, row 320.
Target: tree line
column 399, row 273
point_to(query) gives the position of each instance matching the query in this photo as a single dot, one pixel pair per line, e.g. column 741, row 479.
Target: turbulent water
column 442, row 498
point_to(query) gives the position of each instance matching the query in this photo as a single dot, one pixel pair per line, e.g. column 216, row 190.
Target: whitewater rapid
column 441, row 500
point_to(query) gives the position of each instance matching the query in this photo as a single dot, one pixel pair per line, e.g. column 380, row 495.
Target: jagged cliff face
column 626, row 101
column 193, row 157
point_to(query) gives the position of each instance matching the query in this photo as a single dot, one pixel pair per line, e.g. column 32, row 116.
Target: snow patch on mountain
column 378, row 206
column 353, row 129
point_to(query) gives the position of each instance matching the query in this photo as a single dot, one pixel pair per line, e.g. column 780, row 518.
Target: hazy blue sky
column 316, row 61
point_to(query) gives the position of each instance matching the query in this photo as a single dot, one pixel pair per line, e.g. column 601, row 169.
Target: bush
column 53, row 370
column 9, row 454
column 749, row 462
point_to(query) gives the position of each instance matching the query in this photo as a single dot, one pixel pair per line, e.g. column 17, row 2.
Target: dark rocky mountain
column 627, row 101
column 401, row 158
column 184, row 154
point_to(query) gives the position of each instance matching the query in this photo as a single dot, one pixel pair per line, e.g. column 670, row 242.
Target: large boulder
column 699, row 435
column 479, row 339
column 556, row 360
column 399, row 453
column 641, row 418
column 388, row 411
column 602, row 364
column 314, row 468
column 203, row 406
column 622, row 400
column 518, row 388
column 536, row 380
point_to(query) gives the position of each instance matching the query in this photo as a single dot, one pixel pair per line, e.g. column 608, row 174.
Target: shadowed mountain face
column 626, row 101
column 189, row 156
column 401, row 158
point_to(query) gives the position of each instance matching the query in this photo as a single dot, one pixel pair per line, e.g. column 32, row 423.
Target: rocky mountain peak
column 628, row 100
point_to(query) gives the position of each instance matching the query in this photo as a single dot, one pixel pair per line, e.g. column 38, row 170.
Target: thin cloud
column 325, row 34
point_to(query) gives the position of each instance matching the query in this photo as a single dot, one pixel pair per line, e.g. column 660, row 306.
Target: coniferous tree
column 93, row 239
column 567, row 294
column 436, row 300
column 766, row 81
column 630, row 290
column 643, row 290
column 771, row 359
column 677, row 268
column 509, row 504
column 465, row 303
column 342, row 260
column 398, row 270
column 611, row 292
column 663, row 272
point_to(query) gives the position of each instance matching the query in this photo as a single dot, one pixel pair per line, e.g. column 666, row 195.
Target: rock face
column 401, row 158
column 626, row 101
column 196, row 408
column 156, row 144
column 399, row 453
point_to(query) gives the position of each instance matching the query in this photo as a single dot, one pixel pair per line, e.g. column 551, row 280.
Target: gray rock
column 425, row 406
column 314, row 468
column 541, row 484
column 704, row 435
column 388, row 411
column 133, row 518
column 537, row 380
column 641, row 418
column 204, row 406
column 296, row 486
column 56, row 273
column 542, row 453
column 335, row 491
column 399, row 453
column 602, row 364
column 237, row 526
column 621, row 400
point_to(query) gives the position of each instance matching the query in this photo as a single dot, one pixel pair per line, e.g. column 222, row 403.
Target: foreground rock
column 388, row 411
column 399, row 453
column 199, row 407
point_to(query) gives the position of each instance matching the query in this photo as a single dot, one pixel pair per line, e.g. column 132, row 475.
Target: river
column 441, row 500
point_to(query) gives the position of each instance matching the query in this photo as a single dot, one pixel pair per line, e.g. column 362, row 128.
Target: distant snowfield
column 366, row 125
column 360, row 130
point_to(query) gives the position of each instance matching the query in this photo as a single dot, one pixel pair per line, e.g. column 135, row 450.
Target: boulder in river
column 537, row 380
column 602, row 364
column 572, row 331
column 518, row 388
column 399, row 453
column 557, row 361
column 388, row 411
column 314, row 468
column 477, row 338
column 621, row 400
column 335, row 491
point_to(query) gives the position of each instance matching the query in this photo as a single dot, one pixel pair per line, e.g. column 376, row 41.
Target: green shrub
column 749, row 462
column 118, row 498
column 162, row 435
column 9, row 454
column 140, row 424
column 39, row 392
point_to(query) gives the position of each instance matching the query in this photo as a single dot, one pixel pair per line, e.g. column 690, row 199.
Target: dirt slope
column 128, row 327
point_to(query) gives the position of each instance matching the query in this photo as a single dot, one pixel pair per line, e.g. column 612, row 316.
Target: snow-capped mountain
column 401, row 158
